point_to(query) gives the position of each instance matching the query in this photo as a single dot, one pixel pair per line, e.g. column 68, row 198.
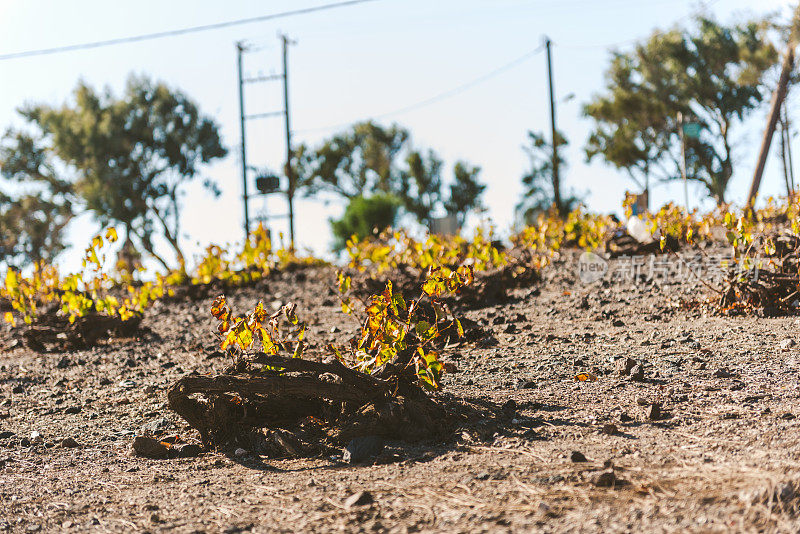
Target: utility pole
column 290, row 177
column 682, row 134
column 556, row 181
column 774, row 110
column 784, row 161
column 239, row 50
column 788, row 130
column 266, row 183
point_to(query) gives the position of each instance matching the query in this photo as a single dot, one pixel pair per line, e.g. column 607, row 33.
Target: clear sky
column 359, row 62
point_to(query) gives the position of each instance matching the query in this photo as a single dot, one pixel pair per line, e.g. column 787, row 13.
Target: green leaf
column 422, row 327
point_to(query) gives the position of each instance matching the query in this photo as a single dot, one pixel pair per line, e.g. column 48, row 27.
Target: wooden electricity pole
column 239, row 50
column 775, row 109
column 290, row 177
column 556, row 180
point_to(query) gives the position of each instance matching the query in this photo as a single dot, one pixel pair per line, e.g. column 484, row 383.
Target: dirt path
column 721, row 456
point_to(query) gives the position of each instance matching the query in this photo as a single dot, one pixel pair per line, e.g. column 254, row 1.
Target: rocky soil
column 690, row 426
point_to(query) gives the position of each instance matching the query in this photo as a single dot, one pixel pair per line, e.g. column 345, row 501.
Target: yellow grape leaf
column 459, row 328
column 219, row 308
column 111, row 235
column 9, row 318
column 585, row 377
column 12, row 282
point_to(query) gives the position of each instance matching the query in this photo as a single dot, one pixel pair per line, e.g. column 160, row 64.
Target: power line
column 181, row 31
column 441, row 96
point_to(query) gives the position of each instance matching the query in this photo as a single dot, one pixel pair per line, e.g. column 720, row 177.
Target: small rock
column 724, row 373
column 482, row 476
column 73, row 410
column 637, row 373
column 606, row 479
column 610, row 429
column 618, row 322
column 653, row 412
column 19, row 388
column 36, row 437
column 359, row 498
column 239, row 452
column 625, row 418
column 577, row 457
column 186, row 450
column 149, row 447
column 6, row 434
column 362, row 448
column 287, row 442
column 63, row 363
column 152, row 427
column 69, row 443
column 625, row 366
column 787, row 343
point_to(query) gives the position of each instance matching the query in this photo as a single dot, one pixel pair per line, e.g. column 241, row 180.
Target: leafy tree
column 710, row 73
column 131, row 156
column 363, row 217
column 422, row 185
column 37, row 207
column 370, row 158
column 352, row 163
column 465, row 191
column 538, row 195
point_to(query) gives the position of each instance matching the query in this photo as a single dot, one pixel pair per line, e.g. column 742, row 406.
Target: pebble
column 239, row 452
column 186, row 450
column 610, row 429
column 637, row 373
column 36, row 437
column 70, row 443
column 625, row 366
column 149, row 447
column 577, row 457
column 787, row 343
column 362, row 448
column 606, row 479
column 152, row 427
column 653, row 411
column 359, row 498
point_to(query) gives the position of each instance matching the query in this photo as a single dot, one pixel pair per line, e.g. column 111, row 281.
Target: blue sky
column 359, row 62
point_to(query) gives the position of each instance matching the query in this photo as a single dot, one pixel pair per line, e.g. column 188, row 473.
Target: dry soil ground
column 721, row 456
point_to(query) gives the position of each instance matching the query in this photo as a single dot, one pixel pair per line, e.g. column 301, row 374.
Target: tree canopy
column 538, row 190
column 35, row 205
column 128, row 158
column 711, row 74
column 369, row 159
